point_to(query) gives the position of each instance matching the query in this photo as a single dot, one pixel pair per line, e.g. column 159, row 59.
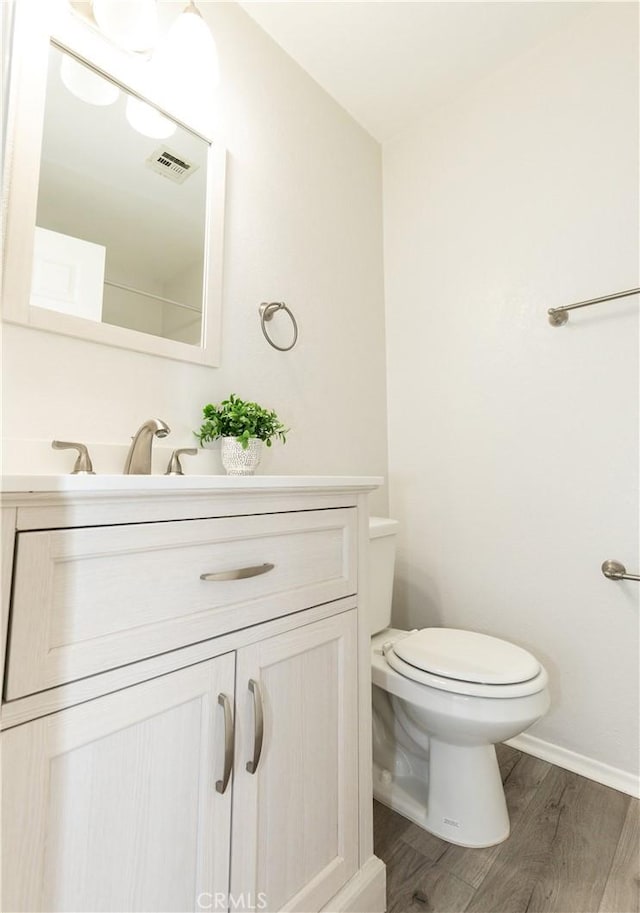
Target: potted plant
column 243, row 426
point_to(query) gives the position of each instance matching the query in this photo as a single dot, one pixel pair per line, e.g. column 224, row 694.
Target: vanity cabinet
column 216, row 756
column 304, row 795
column 111, row 805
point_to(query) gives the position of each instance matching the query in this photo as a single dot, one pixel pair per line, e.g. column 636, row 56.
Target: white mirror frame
column 37, row 24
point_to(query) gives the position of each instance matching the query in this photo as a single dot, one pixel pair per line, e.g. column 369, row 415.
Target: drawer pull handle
column 225, row 703
column 239, row 573
column 258, row 725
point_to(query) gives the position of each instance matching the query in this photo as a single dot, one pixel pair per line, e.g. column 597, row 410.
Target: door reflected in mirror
column 122, row 206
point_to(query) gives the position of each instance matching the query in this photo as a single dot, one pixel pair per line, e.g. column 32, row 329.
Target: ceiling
column 388, row 62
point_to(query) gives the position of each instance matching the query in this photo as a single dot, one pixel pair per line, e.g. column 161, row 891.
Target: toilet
column 442, row 698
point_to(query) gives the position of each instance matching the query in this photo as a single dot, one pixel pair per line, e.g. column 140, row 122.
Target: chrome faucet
column 139, row 457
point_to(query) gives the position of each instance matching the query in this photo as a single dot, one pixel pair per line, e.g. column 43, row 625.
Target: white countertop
column 159, row 483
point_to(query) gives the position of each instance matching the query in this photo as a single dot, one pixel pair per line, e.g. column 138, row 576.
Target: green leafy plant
column 234, row 417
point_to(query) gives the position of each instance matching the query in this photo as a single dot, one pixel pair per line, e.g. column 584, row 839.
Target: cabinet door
column 295, row 820
column 112, row 805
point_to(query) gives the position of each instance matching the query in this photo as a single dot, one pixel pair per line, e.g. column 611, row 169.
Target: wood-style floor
column 573, row 848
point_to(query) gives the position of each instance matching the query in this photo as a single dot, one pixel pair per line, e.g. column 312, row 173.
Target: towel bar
column 558, row 316
column 614, row 570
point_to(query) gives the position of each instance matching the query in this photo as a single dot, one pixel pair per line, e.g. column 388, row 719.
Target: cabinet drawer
column 86, row 600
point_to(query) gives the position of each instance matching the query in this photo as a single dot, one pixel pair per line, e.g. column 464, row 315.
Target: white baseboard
column 618, row 779
column 366, row 892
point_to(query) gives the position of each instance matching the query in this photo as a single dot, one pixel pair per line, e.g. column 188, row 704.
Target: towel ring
column 267, row 310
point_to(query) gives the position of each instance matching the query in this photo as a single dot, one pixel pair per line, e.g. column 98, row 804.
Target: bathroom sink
column 28, row 466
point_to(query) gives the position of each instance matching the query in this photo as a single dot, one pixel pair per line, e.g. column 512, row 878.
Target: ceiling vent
column 168, row 163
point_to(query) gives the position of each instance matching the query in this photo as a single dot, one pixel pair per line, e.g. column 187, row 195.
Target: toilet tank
column 382, row 555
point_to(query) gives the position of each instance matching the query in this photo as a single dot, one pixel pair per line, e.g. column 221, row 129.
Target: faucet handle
column 83, row 465
column 175, row 467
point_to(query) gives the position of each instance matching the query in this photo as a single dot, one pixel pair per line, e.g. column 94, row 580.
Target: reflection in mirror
column 121, row 218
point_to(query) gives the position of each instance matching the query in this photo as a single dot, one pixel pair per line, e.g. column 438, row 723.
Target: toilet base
column 463, row 801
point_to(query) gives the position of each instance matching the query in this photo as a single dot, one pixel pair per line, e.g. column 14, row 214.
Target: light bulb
column 131, row 24
column 187, row 59
column 147, row 120
column 85, row 84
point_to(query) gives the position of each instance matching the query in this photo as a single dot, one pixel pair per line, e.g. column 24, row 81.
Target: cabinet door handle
column 258, row 725
column 239, row 573
column 225, row 703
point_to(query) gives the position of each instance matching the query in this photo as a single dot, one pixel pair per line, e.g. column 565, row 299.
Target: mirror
column 119, row 241
column 121, row 211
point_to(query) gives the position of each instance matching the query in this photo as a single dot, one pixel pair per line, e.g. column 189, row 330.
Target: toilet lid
column 467, row 656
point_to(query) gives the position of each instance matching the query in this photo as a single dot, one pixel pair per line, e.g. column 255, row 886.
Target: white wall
column 513, row 445
column 303, row 224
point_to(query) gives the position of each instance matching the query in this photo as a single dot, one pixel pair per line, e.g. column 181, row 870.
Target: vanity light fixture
column 193, row 46
column 188, row 56
column 188, row 49
column 183, row 70
column 131, row 24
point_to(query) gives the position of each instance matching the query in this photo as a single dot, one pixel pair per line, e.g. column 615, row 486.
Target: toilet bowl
column 442, row 698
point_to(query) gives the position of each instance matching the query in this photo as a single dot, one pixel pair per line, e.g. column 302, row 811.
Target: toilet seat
column 467, row 656
column 464, row 662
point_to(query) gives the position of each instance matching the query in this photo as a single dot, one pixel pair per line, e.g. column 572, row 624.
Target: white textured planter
column 239, row 462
